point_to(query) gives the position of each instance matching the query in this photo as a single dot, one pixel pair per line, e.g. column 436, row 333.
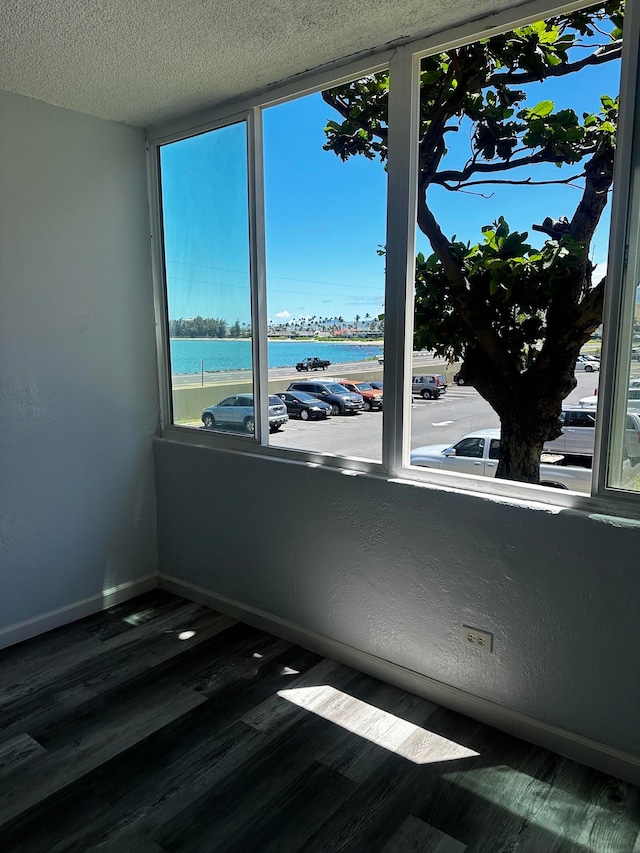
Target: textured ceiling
column 144, row 61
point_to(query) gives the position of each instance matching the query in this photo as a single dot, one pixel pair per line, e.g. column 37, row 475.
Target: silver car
column 237, row 412
column 588, row 363
column 578, row 432
column 430, row 386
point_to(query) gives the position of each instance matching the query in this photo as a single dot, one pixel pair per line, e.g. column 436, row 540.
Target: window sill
column 621, row 508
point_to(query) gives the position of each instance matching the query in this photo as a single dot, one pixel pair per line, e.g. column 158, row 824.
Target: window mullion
column 159, row 287
column 404, row 87
column 260, row 355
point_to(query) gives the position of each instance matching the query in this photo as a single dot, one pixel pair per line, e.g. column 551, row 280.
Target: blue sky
column 325, row 218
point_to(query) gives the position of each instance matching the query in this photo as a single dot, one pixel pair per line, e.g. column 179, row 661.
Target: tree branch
column 453, row 176
column 599, row 178
column 525, row 182
column 333, row 101
column 345, row 111
column 479, row 327
column 604, row 54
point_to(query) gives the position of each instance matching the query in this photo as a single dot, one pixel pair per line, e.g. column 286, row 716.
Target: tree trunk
column 520, row 449
column 529, row 408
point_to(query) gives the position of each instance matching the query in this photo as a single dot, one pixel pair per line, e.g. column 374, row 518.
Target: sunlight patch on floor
column 140, row 617
column 551, row 807
column 380, row 727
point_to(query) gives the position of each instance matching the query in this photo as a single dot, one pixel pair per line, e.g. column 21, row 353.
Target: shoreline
column 378, row 342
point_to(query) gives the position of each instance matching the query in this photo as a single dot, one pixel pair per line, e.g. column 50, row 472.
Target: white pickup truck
column 478, row 453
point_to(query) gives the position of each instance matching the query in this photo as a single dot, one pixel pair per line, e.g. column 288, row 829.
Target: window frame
column 623, row 263
column 403, row 63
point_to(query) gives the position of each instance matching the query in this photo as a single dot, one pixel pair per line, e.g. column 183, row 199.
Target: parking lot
column 447, row 419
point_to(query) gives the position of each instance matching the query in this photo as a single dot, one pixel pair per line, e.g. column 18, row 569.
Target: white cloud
column 599, row 273
column 283, row 315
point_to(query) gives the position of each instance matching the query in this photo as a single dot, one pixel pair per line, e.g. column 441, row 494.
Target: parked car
column 578, row 430
column 302, row 405
column 458, row 378
column 313, row 363
column 237, row 411
column 377, row 385
column 632, row 437
column 380, row 359
column 342, row 402
column 633, row 399
column 371, row 396
column 635, row 353
column 588, row 363
column 478, row 453
column 429, row 386
column 441, row 379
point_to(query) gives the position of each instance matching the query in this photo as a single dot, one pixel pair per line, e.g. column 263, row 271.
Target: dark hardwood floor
column 160, row 725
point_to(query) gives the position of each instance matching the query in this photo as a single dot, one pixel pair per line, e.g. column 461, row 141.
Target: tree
column 516, row 314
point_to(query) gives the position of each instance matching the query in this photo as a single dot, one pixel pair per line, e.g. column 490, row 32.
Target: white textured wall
column 77, row 359
column 396, row 570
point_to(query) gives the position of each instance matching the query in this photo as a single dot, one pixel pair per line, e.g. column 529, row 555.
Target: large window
column 206, row 259
column 325, row 229
column 438, row 219
column 515, row 173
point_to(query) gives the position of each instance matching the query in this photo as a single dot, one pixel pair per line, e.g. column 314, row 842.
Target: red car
column 372, row 396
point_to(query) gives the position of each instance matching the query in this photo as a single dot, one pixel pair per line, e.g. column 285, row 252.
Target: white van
column 578, row 432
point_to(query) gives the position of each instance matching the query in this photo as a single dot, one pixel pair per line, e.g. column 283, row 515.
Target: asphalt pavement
column 453, row 415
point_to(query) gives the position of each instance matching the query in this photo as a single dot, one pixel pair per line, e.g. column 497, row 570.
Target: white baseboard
column 569, row 744
column 63, row 615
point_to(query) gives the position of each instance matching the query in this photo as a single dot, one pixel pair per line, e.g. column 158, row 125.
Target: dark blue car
column 342, row 402
column 302, row 405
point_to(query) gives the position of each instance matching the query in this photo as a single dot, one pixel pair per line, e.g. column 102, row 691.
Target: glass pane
column 325, row 198
column 206, row 244
column 624, row 451
column 515, row 176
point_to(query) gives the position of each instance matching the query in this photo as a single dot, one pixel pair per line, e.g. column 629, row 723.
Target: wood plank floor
column 160, row 725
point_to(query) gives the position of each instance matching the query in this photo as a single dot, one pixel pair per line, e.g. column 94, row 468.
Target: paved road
column 223, row 377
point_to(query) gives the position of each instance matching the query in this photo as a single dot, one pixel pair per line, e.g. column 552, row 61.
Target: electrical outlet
column 482, row 640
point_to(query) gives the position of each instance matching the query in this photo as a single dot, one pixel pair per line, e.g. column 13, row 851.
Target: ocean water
column 188, row 355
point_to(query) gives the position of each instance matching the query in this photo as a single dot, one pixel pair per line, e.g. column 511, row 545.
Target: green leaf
column 544, row 108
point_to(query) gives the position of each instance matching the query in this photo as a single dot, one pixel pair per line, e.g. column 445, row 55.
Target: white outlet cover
column 482, row 640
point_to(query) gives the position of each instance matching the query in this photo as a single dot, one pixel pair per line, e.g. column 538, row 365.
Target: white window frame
column 403, row 63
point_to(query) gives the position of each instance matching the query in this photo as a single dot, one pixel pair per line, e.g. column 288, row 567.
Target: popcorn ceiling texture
column 144, row 61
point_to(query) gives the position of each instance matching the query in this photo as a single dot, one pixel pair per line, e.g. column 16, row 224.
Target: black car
column 459, row 379
column 300, row 404
column 342, row 402
column 314, row 363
